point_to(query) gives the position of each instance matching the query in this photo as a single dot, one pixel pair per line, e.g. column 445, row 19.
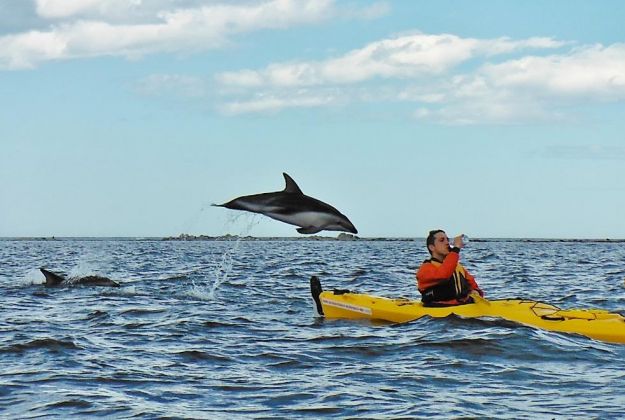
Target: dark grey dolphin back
column 52, row 279
column 96, row 281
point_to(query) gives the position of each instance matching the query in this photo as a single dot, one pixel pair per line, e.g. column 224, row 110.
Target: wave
column 50, row 344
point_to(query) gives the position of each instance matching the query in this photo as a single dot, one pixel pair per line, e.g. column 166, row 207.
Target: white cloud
column 533, row 88
column 451, row 80
column 272, row 103
column 406, row 56
column 448, row 78
column 98, row 30
column 594, row 71
column 61, row 8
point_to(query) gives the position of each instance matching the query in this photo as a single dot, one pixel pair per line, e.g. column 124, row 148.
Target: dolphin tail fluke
column 52, row 279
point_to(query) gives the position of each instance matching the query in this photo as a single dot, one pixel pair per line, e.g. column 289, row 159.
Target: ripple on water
column 45, row 344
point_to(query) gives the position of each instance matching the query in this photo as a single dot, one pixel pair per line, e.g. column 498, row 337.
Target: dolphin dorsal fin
column 291, row 186
column 52, row 279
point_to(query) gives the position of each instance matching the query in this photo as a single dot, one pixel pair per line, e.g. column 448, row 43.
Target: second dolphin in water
column 292, row 206
column 53, row 279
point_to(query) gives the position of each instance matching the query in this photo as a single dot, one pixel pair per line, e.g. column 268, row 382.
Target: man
column 442, row 280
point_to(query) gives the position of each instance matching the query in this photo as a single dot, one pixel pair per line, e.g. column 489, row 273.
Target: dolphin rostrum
column 53, row 279
column 292, row 206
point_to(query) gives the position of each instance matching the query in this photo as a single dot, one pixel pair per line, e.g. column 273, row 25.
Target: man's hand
column 457, row 242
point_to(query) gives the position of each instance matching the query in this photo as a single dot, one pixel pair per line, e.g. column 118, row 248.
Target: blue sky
column 497, row 119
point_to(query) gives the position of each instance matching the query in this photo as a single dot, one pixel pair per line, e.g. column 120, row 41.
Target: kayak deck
column 593, row 323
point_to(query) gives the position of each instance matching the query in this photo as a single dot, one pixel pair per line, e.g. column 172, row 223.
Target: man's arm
column 429, row 274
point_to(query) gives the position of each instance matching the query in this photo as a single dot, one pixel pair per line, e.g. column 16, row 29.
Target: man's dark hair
column 430, row 239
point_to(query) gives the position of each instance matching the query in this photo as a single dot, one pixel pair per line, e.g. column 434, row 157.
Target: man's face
column 441, row 245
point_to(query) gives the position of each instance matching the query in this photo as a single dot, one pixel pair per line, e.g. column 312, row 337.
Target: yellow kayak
column 594, row 323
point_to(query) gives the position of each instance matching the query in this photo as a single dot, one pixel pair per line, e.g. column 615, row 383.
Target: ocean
column 227, row 330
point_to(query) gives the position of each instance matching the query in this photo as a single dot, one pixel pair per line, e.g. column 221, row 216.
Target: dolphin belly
column 309, row 219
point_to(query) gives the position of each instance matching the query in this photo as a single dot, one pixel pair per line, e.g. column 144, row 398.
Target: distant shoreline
column 342, row 237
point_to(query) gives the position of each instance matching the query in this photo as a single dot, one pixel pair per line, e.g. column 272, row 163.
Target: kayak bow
column 593, row 323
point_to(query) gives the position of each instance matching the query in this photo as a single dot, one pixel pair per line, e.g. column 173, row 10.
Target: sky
column 498, row 119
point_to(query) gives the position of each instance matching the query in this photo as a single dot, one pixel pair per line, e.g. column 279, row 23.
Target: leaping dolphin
column 293, row 207
column 53, row 279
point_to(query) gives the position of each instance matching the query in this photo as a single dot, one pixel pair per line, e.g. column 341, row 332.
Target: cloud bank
column 450, row 79
column 404, row 57
column 133, row 28
column 441, row 78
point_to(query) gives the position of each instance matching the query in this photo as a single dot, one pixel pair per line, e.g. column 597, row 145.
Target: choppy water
column 227, row 330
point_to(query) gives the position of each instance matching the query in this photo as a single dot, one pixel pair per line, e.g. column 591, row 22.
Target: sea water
column 227, row 329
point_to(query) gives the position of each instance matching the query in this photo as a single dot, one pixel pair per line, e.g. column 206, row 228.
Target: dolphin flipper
column 309, row 230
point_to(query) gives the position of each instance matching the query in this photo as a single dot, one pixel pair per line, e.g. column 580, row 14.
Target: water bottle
column 464, row 238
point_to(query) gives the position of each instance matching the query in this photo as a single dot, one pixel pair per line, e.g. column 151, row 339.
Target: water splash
column 194, row 220
column 31, row 277
column 92, row 260
column 250, row 220
column 85, row 266
column 224, row 268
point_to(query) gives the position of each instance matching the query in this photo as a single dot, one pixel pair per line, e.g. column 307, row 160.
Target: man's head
column 437, row 243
